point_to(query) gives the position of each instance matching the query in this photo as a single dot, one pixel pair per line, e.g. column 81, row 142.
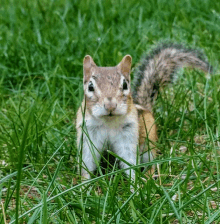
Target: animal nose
column 110, row 104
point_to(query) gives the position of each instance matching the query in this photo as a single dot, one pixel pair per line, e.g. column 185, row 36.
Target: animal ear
column 88, row 64
column 125, row 66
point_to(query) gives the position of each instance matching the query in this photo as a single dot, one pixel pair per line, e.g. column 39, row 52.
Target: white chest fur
column 121, row 133
column 112, row 130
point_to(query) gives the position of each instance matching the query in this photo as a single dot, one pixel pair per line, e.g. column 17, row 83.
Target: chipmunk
column 114, row 113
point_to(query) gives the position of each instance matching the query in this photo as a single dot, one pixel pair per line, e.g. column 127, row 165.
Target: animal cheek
column 124, row 98
column 92, row 98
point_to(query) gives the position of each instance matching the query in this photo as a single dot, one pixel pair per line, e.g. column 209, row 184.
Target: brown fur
column 155, row 71
column 159, row 67
column 147, row 127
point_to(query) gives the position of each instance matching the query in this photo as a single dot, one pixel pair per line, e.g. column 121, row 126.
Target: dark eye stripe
column 91, row 87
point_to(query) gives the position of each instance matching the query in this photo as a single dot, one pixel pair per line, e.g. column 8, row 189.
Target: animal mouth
column 111, row 115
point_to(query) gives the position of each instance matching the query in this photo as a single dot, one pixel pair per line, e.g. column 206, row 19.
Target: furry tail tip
column 159, row 67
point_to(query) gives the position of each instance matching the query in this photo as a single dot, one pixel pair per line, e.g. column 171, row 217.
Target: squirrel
column 113, row 113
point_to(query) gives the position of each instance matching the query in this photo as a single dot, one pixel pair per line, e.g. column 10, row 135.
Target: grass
column 42, row 44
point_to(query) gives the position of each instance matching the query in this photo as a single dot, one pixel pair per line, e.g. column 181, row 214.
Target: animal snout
column 110, row 104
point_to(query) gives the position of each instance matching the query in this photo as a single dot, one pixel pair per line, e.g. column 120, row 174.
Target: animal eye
column 91, row 87
column 125, row 85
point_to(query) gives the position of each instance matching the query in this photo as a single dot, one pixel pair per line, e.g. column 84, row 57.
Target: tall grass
column 42, row 44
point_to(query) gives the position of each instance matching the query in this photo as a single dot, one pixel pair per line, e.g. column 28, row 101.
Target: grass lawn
column 42, row 45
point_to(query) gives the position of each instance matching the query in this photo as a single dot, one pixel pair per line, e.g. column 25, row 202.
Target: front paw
column 85, row 176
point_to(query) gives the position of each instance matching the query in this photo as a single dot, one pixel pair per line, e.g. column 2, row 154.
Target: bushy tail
column 158, row 68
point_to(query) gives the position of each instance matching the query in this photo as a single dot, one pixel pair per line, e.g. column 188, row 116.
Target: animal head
column 107, row 89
